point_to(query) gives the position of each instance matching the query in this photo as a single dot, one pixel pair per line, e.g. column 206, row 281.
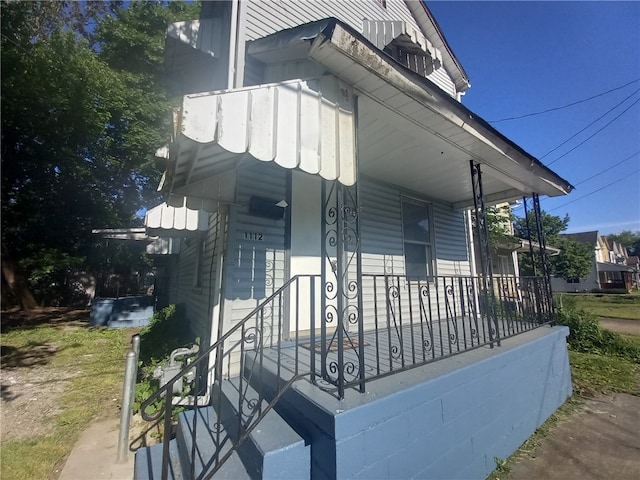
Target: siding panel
column 265, row 17
column 196, row 296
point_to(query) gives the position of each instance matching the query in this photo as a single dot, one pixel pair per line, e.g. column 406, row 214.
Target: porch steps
column 273, row 449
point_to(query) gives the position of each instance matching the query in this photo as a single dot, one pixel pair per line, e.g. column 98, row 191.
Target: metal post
column 544, row 258
column 125, row 413
column 482, row 234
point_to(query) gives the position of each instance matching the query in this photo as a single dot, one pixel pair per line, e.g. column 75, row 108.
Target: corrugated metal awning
column 298, row 124
column 166, row 220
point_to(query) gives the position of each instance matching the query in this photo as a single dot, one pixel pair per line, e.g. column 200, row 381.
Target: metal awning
column 166, row 220
column 409, row 132
column 307, row 125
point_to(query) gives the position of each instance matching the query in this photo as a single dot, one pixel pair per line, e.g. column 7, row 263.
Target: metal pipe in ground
column 128, row 392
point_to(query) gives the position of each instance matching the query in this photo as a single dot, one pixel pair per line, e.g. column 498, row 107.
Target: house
column 322, row 177
column 609, row 269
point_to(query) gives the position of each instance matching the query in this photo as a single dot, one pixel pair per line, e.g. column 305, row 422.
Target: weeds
column 167, row 330
column 587, row 336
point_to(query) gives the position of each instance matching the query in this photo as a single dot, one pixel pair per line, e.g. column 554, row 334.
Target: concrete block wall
column 448, row 419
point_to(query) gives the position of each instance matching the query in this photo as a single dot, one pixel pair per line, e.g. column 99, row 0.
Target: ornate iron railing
column 297, row 332
column 239, row 354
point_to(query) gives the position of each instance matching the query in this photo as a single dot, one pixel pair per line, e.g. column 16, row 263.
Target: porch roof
column 409, row 132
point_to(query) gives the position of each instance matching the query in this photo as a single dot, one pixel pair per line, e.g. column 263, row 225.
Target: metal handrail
column 167, row 389
column 156, row 395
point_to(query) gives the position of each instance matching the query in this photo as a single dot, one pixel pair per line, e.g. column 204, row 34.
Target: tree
column 628, row 239
column 575, row 258
column 83, row 110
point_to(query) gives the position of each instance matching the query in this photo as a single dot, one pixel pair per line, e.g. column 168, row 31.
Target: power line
column 597, row 119
column 607, row 169
column 567, row 105
column 591, row 193
column 595, row 133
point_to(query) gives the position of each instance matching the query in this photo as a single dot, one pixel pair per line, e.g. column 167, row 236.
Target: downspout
column 233, row 44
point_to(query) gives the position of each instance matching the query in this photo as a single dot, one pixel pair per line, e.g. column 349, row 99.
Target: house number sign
column 255, row 236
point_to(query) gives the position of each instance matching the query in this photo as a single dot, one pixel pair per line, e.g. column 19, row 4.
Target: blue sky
column 525, row 57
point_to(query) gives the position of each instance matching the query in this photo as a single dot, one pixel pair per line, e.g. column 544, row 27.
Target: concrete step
column 148, row 463
column 273, row 450
column 207, row 438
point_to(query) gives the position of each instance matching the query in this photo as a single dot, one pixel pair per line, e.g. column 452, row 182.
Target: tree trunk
column 16, row 281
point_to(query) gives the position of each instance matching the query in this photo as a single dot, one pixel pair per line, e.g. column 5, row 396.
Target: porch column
column 341, row 303
column 487, row 295
column 540, row 263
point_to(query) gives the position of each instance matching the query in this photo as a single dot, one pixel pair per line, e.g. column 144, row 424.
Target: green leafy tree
column 83, row 109
column 628, row 239
column 575, row 258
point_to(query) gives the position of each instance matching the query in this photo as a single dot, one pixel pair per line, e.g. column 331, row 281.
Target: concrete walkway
column 602, row 441
column 94, row 455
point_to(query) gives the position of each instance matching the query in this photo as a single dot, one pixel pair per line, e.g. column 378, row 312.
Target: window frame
column 430, row 266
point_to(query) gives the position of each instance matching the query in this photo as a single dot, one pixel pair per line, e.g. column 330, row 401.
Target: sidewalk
column 600, row 442
column 94, row 455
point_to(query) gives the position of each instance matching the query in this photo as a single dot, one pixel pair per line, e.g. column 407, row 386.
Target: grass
column 603, row 305
column 602, row 362
column 93, row 359
column 602, row 374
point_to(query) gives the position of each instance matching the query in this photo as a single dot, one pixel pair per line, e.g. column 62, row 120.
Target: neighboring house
column 609, row 269
column 633, row 262
column 322, row 175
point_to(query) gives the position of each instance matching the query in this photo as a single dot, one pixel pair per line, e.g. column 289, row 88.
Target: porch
column 268, row 379
column 402, row 324
column 447, row 419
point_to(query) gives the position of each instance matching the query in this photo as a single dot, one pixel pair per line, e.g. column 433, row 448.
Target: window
column 418, row 247
column 573, row 280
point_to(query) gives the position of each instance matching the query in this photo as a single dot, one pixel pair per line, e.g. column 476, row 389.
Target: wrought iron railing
column 299, row 332
column 239, row 354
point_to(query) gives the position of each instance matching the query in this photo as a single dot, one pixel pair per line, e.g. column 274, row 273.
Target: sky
column 525, row 57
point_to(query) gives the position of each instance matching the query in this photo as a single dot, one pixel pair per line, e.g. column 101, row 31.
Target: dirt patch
column 29, row 396
column 621, row 325
column 30, row 386
column 53, row 316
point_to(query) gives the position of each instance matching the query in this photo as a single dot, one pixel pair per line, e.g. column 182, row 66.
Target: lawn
column 603, row 305
column 58, row 374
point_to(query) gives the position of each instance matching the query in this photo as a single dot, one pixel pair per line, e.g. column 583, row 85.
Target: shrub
column 612, row 291
column 587, row 336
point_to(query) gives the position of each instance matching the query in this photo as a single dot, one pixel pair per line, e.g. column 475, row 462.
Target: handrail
column 165, row 391
column 169, row 384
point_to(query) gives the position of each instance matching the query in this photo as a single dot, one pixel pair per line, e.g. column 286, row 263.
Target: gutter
column 350, row 43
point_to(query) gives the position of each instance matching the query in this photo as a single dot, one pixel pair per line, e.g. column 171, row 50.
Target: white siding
column 198, row 299
column 382, row 251
column 253, row 72
column 451, row 241
column 256, row 262
column 265, row 17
